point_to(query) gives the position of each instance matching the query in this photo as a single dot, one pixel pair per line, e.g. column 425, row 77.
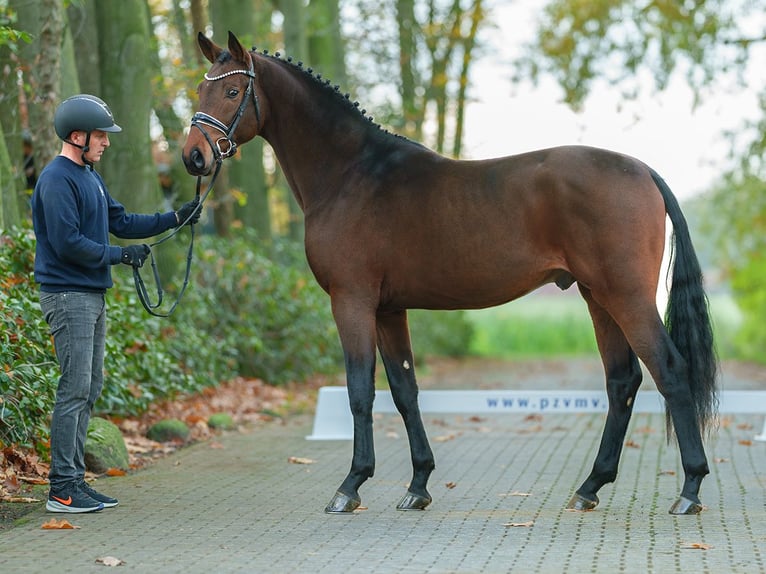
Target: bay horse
column 391, row 225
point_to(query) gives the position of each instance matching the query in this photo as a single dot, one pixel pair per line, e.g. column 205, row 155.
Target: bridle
column 222, row 148
column 200, row 118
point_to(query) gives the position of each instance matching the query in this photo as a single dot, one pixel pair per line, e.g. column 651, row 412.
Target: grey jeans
column 77, row 322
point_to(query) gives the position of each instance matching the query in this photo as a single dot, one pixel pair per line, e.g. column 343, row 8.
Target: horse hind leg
column 623, row 377
column 396, row 352
column 648, row 337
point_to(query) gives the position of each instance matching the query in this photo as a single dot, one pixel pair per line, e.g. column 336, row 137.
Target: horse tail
column 687, row 317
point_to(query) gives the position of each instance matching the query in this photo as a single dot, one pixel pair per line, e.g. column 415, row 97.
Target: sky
column 684, row 145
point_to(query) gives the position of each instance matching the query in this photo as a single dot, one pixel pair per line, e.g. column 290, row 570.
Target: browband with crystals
column 230, row 73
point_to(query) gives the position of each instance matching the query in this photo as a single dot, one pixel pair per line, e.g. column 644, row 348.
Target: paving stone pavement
column 235, row 504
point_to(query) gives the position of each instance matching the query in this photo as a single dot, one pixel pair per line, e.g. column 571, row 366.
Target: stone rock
column 221, row 421
column 168, row 430
column 104, row 447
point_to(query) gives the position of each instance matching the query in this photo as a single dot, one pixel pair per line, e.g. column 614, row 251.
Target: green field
column 548, row 324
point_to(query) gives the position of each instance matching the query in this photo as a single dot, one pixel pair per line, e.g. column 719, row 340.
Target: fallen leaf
column 746, row 442
column 300, row 460
column 18, row 499
column 667, row 473
column 719, row 459
column 475, row 419
column 534, row 417
column 110, row 561
column 54, row 524
column 695, row 546
column 115, row 472
column 745, row 426
column 519, row 524
column 451, row 485
column 33, row 479
column 217, row 445
column 530, row 430
column 445, row 438
column 632, row 444
column 392, row 434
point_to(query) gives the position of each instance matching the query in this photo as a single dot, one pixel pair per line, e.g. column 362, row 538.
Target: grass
column 558, row 324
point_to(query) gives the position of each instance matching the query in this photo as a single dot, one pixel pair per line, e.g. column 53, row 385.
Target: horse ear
column 236, row 49
column 208, row 47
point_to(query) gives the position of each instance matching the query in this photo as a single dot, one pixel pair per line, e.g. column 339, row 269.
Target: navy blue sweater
column 73, row 214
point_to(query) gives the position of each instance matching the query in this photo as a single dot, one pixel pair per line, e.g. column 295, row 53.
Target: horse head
column 229, row 109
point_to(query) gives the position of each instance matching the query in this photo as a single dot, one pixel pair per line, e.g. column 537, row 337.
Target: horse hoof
column 412, row 501
column 685, row 506
column 342, row 504
column 581, row 503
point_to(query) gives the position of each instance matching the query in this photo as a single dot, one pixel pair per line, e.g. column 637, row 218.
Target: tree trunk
column 246, row 195
column 9, row 210
column 325, row 43
column 124, row 51
column 477, row 17
column 47, row 77
column 11, row 140
column 413, row 120
column 296, row 44
column 85, row 37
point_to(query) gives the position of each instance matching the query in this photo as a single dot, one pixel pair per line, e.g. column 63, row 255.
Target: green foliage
column 749, row 285
column 9, row 36
column 579, row 42
column 440, row 333
column 735, row 218
column 260, row 306
column 534, row 326
column 28, row 370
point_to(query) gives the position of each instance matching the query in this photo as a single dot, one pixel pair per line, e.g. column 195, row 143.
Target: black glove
column 135, row 255
column 187, row 209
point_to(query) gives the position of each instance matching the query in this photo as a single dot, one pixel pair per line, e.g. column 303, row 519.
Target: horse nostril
column 195, row 162
column 197, row 159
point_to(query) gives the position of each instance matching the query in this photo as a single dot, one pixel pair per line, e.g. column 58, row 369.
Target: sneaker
column 72, row 500
column 107, row 501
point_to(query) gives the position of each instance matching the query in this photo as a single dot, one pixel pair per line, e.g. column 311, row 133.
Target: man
column 73, row 214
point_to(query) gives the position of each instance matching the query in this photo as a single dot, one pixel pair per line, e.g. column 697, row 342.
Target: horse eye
column 232, row 93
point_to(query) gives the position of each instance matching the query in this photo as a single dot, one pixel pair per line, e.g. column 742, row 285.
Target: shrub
column 28, row 369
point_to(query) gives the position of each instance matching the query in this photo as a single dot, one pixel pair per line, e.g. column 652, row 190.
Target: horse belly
column 475, row 286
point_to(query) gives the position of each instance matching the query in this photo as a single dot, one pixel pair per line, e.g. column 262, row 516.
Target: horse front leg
column 357, row 334
column 396, row 352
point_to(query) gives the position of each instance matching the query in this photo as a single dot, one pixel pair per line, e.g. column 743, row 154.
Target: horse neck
column 315, row 135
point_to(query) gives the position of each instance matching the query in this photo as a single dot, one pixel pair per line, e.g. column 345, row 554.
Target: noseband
column 225, row 146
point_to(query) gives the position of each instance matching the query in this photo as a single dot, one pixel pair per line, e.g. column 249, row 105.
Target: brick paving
column 235, row 504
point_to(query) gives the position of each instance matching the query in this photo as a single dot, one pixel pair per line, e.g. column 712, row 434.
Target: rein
column 143, row 294
column 222, row 148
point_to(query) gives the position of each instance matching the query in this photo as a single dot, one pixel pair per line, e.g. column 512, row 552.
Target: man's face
column 99, row 141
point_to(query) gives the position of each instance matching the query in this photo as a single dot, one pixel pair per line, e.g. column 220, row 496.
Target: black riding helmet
column 83, row 112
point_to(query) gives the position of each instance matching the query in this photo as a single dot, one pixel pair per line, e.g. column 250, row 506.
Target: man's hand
column 135, row 255
column 187, row 209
